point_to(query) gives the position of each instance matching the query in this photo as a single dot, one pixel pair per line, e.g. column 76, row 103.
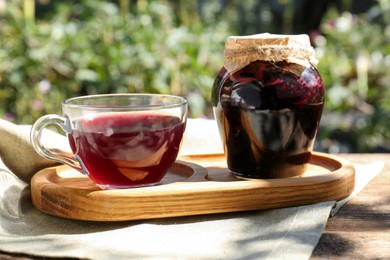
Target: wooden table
column 360, row 230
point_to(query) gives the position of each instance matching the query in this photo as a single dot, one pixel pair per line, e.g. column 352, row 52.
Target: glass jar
column 268, row 99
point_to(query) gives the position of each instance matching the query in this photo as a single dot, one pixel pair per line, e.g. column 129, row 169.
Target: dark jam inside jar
column 268, row 116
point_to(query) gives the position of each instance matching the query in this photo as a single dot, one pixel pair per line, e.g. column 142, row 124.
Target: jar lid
column 242, row 50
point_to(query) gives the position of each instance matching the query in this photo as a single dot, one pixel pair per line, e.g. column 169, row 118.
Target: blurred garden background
column 51, row 50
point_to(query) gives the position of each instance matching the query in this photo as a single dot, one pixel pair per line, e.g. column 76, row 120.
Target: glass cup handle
column 61, row 157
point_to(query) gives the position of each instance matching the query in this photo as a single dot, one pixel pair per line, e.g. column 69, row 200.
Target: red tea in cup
column 130, row 149
column 118, row 140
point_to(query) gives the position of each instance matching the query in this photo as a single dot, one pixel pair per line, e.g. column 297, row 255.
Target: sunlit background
column 51, row 50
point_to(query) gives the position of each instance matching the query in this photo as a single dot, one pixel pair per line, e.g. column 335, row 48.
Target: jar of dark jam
column 267, row 100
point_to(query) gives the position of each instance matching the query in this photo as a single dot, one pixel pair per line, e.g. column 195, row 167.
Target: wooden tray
column 198, row 184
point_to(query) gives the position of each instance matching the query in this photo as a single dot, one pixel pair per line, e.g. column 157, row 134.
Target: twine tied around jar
column 242, row 50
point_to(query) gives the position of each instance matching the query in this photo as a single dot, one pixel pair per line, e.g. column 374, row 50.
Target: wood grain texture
column 195, row 185
column 361, row 228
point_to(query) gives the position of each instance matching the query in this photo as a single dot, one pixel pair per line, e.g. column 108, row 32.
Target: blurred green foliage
column 63, row 49
column 354, row 55
column 90, row 47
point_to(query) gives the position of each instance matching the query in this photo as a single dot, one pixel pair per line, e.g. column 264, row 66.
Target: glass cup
column 118, row 140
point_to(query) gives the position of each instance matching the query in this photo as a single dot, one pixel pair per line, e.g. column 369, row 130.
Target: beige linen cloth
column 288, row 233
